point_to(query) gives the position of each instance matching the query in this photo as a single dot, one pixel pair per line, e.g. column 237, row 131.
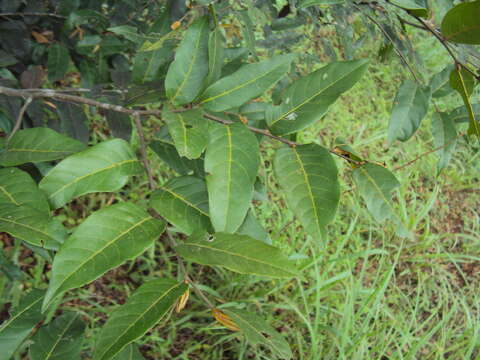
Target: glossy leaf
column 18, row 188
column 103, row 241
column 258, row 332
column 239, row 253
column 215, row 56
column 58, row 62
column 186, row 75
column 375, row 184
column 308, row 99
column 103, row 167
column 440, row 83
column 308, row 175
column 149, row 304
column 183, row 202
column 231, row 162
column 130, row 352
column 248, row 82
column 23, row 320
column 60, row 339
column 37, row 145
column 189, row 131
column 416, row 7
column 31, row 225
column 444, row 134
column 410, row 107
column 461, row 24
column 464, row 83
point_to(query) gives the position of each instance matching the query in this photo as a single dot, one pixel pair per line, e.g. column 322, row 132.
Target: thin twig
column 143, row 150
column 399, row 53
column 33, row 14
column 187, row 277
column 427, row 153
column 18, row 123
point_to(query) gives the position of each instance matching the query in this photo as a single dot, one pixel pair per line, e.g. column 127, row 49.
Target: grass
column 366, row 293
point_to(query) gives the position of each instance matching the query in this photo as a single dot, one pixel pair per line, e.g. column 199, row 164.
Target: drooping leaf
column 147, row 64
column 308, row 99
column 461, row 113
column 128, row 32
column 239, row 253
column 440, row 83
column 37, row 145
column 105, row 240
column 183, row 166
column 231, row 162
column 58, row 62
column 189, row 131
column 22, row 321
column 130, row 352
column 308, row 175
column 119, row 124
column 31, row 225
column 248, row 32
column 410, row 107
column 73, row 121
column 416, row 7
column 248, row 82
column 444, row 134
column 375, row 184
column 464, row 83
column 215, row 56
column 183, row 202
column 18, row 188
column 103, row 167
column 461, row 25
column 149, row 304
column 186, row 75
column 258, row 332
column 60, row 339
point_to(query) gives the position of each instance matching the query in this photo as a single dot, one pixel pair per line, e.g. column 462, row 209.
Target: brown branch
column 427, row 153
column 18, row 123
column 143, row 151
column 33, row 14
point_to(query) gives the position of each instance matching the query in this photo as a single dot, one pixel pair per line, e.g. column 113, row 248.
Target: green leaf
column 189, row 131
column 248, row 82
column 461, row 25
column 410, row 107
column 248, row 31
column 149, row 304
column 22, row 321
column 186, row 75
column 231, row 162
column 128, row 32
column 73, row 121
column 215, row 56
column 183, row 202
column 18, row 188
column 375, row 184
column 103, row 167
column 444, row 134
column 103, row 241
column 31, row 225
column 308, row 99
column 252, row 227
column 440, row 82
column 37, row 145
column 60, row 339
column 58, row 62
column 464, row 83
column 183, row 166
column 416, row 7
column 461, row 114
column 238, row 253
column 130, row 352
column 306, row 3
column 147, row 64
column 308, row 175
column 258, row 332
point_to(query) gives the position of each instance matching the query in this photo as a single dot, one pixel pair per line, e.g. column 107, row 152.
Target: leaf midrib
column 60, row 337
column 14, row 317
column 181, row 198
